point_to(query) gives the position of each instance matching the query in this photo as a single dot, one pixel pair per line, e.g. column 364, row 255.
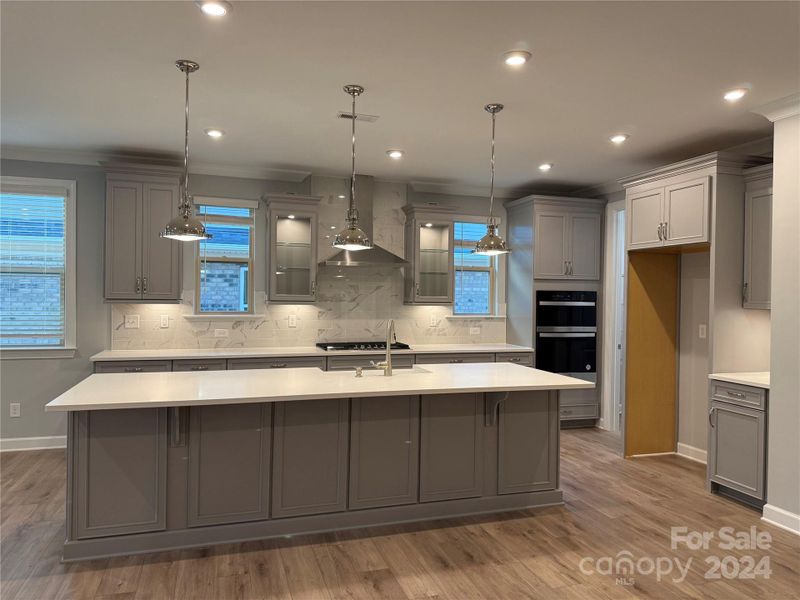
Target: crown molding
column 81, row 157
column 461, row 189
column 724, row 162
column 781, row 108
column 601, row 190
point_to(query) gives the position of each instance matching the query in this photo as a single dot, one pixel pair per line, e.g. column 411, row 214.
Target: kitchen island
column 171, row 460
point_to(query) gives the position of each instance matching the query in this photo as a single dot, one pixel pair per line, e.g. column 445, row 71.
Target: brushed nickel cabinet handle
column 314, row 287
column 744, row 292
column 138, row 285
column 732, row 394
column 144, row 284
column 277, row 365
column 199, row 368
column 456, row 360
column 416, row 288
column 666, row 228
column 133, row 369
column 711, row 415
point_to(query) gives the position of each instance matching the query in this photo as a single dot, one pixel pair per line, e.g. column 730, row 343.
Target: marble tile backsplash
column 352, row 305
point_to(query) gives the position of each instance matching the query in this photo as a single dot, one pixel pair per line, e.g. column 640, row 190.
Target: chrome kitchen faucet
column 386, row 364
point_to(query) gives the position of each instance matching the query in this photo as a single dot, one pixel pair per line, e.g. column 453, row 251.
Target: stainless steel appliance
column 566, row 333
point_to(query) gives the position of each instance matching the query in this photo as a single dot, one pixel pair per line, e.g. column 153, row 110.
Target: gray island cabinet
column 185, row 459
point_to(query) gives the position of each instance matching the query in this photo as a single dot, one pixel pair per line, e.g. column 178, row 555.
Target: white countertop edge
column 267, row 352
column 759, row 379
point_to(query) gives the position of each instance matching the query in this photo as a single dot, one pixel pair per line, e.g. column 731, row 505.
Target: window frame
column 494, row 265
column 251, row 205
column 68, row 189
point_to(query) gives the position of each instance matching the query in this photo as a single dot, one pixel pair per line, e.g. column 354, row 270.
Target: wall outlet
column 474, row 330
column 702, row 331
column 164, row 321
column 14, row 410
column 220, row 333
column 131, row 321
column 434, row 321
column 292, row 321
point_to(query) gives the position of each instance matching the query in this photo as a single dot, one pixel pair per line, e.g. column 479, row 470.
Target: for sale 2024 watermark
column 749, row 562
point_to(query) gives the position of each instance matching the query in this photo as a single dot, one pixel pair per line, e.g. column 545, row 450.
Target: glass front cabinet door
column 429, row 249
column 292, row 248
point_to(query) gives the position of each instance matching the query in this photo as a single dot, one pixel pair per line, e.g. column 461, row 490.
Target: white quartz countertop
column 198, row 353
column 759, row 379
column 147, row 390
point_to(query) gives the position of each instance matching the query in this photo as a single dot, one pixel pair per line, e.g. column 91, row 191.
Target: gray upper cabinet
column 139, row 264
column 429, row 249
column 567, row 242
column 527, row 426
column 757, row 237
column 292, row 223
column 669, row 215
column 121, row 467
column 451, row 447
column 384, row 451
column 229, row 463
column 309, row 474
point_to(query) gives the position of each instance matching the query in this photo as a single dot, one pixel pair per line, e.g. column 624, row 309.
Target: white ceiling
column 99, row 77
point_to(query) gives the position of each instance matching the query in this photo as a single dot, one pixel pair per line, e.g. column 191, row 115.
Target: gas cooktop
column 380, row 346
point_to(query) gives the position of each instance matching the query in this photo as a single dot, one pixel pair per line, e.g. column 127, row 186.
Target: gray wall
column 783, row 475
column 693, row 351
column 34, row 382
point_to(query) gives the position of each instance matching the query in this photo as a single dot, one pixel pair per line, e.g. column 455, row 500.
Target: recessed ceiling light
column 395, row 154
column 290, row 216
column 214, row 133
column 333, row 226
column 619, row 138
column 516, row 58
column 734, row 95
column 341, row 197
column 214, row 8
column 545, row 167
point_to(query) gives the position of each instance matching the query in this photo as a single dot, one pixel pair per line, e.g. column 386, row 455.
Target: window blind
column 32, row 269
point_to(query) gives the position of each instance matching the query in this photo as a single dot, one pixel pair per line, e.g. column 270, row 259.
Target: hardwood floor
column 612, row 505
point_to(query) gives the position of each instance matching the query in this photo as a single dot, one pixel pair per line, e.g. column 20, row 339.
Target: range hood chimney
column 375, row 256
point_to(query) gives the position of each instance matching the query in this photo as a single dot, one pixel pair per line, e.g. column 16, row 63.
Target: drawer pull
column 133, row 369
column 456, row 360
column 516, row 359
column 199, row 368
column 277, row 366
column 565, row 411
column 732, row 394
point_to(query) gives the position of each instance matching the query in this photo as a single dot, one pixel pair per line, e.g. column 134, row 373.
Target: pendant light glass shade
column 186, row 227
column 352, row 237
column 491, row 244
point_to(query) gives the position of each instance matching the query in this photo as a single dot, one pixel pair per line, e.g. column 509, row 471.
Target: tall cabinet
column 139, row 263
column 757, row 237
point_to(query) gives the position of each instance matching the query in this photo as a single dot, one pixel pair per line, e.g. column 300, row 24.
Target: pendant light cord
column 186, row 149
column 491, row 184
column 353, row 163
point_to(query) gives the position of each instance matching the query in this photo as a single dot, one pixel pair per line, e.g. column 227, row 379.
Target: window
column 37, row 264
column 475, row 274
column 225, row 262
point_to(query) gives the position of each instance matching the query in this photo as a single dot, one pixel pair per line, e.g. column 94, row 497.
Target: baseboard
column 692, row 453
column 779, row 517
column 33, row 443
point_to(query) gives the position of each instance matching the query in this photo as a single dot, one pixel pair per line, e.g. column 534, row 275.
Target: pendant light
column 185, row 227
column 352, row 237
column 491, row 244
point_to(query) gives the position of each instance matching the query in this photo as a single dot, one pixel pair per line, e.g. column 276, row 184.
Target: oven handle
column 564, row 303
column 566, row 335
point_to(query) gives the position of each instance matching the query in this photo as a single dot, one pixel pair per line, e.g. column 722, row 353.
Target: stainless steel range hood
column 375, row 256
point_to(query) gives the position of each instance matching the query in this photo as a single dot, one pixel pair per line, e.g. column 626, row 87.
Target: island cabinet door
column 119, row 461
column 229, row 463
column 527, row 451
column 309, row 473
column 451, row 447
column 384, row 451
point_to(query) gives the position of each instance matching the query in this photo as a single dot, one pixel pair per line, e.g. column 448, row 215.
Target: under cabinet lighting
column 290, row 216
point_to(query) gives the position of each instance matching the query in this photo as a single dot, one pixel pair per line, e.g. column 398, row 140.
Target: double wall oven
column 566, row 333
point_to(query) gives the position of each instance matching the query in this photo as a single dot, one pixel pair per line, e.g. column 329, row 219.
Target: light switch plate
column 292, row 320
column 474, row 330
column 164, row 321
column 702, row 331
column 14, row 410
column 131, row 321
column 220, row 333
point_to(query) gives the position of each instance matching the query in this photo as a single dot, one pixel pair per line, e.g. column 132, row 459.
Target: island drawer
column 443, row 359
column 219, row 364
column 133, row 366
column 344, row 363
column 520, row 358
column 743, row 395
column 578, row 411
column 276, row 363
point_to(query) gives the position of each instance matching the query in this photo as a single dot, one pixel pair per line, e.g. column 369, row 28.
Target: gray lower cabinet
column 441, row 358
column 309, row 473
column 276, row 363
column 133, row 366
column 346, row 363
column 737, row 448
column 384, row 451
column 120, row 467
column 519, row 358
column 229, row 463
column 527, row 427
column 205, row 364
column 451, row 447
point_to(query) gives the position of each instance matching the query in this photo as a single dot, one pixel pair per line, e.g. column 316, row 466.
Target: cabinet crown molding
column 782, row 108
column 724, row 162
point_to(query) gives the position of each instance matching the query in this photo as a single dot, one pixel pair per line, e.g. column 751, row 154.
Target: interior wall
column 693, row 356
column 609, row 315
column 34, row 382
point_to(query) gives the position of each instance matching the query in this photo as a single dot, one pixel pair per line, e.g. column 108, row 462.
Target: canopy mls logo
column 624, row 566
